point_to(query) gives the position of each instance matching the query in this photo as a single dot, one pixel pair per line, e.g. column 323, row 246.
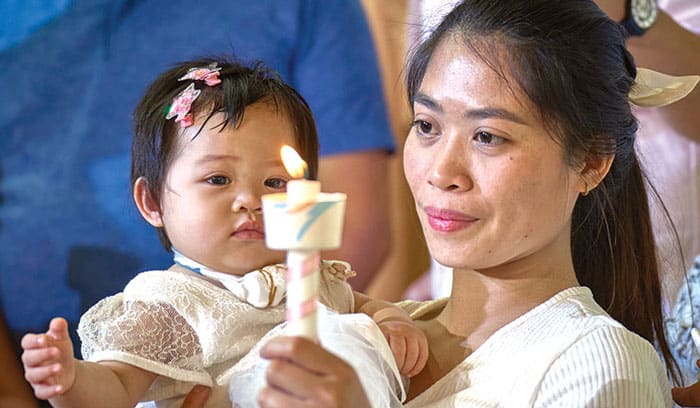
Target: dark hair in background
column 155, row 137
column 570, row 60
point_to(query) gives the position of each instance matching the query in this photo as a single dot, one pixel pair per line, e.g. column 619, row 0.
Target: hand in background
column 687, row 396
column 670, row 48
column 14, row 391
column 48, row 360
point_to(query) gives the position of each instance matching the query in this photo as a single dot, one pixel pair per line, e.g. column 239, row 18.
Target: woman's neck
column 484, row 301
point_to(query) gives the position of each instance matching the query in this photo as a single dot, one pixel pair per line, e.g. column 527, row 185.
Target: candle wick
column 307, row 176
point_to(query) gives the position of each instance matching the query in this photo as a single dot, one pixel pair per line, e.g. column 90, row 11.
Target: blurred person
column 408, row 258
column 14, row 391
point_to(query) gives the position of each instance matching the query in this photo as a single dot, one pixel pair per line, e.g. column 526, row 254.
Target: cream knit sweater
column 566, row 352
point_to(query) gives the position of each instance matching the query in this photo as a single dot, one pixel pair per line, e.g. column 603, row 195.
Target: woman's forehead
column 462, row 72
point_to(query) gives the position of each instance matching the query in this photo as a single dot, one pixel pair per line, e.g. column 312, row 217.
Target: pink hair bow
column 208, row 74
column 182, row 103
column 181, row 106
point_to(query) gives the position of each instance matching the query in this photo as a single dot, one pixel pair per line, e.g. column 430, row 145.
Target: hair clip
column 181, row 106
column 182, row 103
column 208, row 74
column 653, row 89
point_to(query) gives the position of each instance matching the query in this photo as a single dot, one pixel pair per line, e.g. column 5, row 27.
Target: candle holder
column 303, row 227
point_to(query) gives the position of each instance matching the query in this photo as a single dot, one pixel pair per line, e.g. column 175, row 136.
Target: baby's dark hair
column 155, row 138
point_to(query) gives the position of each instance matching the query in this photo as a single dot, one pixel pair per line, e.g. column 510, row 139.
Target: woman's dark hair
column 570, row 60
column 155, row 137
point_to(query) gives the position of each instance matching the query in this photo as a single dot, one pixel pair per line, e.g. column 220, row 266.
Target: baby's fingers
column 58, row 329
column 416, row 355
column 423, row 353
column 398, row 349
column 40, row 376
column 32, row 341
column 40, row 356
column 412, row 354
column 46, row 391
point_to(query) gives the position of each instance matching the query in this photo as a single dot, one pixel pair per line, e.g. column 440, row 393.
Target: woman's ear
column 147, row 205
column 594, row 171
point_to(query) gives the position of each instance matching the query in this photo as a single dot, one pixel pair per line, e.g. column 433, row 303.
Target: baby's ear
column 594, row 171
column 147, row 205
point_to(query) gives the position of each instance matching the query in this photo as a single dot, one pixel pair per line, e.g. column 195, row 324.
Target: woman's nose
column 449, row 170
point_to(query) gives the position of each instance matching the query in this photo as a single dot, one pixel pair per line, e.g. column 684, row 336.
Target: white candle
column 301, row 191
column 302, row 265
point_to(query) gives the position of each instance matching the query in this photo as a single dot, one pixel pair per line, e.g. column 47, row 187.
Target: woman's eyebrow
column 480, row 113
column 428, row 102
column 491, row 112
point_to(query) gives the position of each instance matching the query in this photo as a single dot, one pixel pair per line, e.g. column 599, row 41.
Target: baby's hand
column 48, row 360
column 408, row 344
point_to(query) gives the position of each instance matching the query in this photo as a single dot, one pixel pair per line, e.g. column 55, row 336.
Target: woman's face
column 490, row 184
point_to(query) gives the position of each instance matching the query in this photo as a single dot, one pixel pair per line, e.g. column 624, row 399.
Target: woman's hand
column 197, row 397
column 302, row 373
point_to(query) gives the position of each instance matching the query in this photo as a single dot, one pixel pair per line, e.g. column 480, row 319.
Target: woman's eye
column 488, row 138
column 218, row 180
column 276, row 183
column 423, row 127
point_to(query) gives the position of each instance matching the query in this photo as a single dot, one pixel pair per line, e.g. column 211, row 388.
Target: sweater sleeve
column 608, row 367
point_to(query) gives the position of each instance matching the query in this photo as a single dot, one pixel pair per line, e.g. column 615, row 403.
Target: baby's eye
column 218, row 180
column 488, row 138
column 276, row 183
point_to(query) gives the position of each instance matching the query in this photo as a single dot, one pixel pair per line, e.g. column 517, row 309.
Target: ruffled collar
column 261, row 288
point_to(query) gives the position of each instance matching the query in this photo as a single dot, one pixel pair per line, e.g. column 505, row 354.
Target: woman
column 521, row 161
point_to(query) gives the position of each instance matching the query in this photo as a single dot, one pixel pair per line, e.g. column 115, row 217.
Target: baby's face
column 211, row 200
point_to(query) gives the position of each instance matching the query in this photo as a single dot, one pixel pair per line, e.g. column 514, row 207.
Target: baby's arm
column 408, row 343
column 56, row 375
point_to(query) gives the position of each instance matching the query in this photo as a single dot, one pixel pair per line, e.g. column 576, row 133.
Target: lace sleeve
column 152, row 336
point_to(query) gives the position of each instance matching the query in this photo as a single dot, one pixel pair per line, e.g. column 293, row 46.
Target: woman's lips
column 443, row 220
column 249, row 230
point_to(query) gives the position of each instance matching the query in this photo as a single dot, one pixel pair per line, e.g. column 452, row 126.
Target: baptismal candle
column 302, row 264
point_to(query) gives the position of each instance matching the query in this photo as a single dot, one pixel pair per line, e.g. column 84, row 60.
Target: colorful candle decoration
column 302, row 221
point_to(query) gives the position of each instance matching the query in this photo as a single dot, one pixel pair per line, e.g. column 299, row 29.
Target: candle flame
column 293, row 163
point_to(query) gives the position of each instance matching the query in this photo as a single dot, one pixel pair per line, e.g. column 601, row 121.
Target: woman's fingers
column 302, row 373
column 197, row 397
column 302, row 352
column 293, row 380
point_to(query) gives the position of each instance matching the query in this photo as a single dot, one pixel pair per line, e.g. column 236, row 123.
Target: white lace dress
column 188, row 329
